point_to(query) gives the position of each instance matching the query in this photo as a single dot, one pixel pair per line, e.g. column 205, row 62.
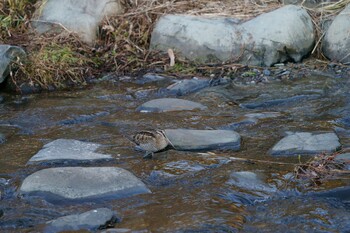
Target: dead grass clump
column 321, row 15
column 319, row 169
column 14, row 17
column 56, row 61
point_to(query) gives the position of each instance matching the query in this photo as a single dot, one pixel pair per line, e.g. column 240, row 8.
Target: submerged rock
column 151, row 78
column 81, row 17
column 345, row 158
column 188, row 139
column 91, row 220
column 306, row 143
column 250, row 120
column 250, row 181
column 2, row 138
column 188, row 86
column 9, row 54
column 169, row 104
column 68, row 149
column 342, row 193
column 263, row 115
column 280, row 102
column 82, row 183
column 336, row 43
column 277, row 36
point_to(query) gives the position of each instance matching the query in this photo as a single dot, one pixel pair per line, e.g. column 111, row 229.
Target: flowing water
column 191, row 191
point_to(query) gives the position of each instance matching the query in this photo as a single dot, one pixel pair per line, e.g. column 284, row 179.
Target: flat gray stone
column 8, row 54
column 306, row 143
column 280, row 35
column 336, row 43
column 188, row 139
column 82, row 183
column 169, row 104
column 90, row 220
column 81, row 17
column 68, row 149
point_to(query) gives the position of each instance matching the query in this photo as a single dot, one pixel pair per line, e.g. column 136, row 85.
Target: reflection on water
column 191, row 192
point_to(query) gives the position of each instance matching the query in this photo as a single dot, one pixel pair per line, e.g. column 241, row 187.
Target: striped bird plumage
column 151, row 141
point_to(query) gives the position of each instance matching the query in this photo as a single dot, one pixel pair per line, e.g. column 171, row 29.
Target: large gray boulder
column 8, row 54
column 82, row 183
column 81, row 17
column 336, row 43
column 90, row 220
column 296, row 143
column 277, row 36
column 190, row 139
column 68, row 149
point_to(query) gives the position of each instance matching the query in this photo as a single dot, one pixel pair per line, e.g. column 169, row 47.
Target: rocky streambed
column 66, row 164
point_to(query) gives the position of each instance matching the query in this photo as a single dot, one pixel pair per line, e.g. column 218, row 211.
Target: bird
column 150, row 141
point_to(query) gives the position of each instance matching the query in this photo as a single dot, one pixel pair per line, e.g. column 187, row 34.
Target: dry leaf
column 171, row 56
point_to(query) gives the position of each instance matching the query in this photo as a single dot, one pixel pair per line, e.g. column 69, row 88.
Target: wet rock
column 266, row 72
column 9, row 54
column 263, row 115
column 251, row 119
column 83, row 118
column 342, row 193
column 2, row 138
column 151, row 78
column 81, row 17
column 183, row 166
column 91, row 220
column 117, row 230
column 280, row 102
column 336, row 43
column 345, row 158
column 345, row 121
column 187, row 139
column 250, row 181
column 306, row 143
column 187, row 86
column 161, row 178
column 82, row 183
column 169, row 104
column 1, row 99
column 240, row 124
column 68, row 149
column 277, row 36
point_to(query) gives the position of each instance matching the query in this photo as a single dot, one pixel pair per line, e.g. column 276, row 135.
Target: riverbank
column 121, row 47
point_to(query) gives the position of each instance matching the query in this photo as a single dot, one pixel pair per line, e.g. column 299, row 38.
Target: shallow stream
column 191, row 191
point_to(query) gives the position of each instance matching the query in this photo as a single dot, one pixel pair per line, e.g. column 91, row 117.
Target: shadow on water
column 191, row 191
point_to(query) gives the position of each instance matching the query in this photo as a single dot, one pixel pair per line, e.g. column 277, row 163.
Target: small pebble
column 266, row 72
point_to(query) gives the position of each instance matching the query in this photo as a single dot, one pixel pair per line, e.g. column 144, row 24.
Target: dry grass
column 58, row 62
column 319, row 169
